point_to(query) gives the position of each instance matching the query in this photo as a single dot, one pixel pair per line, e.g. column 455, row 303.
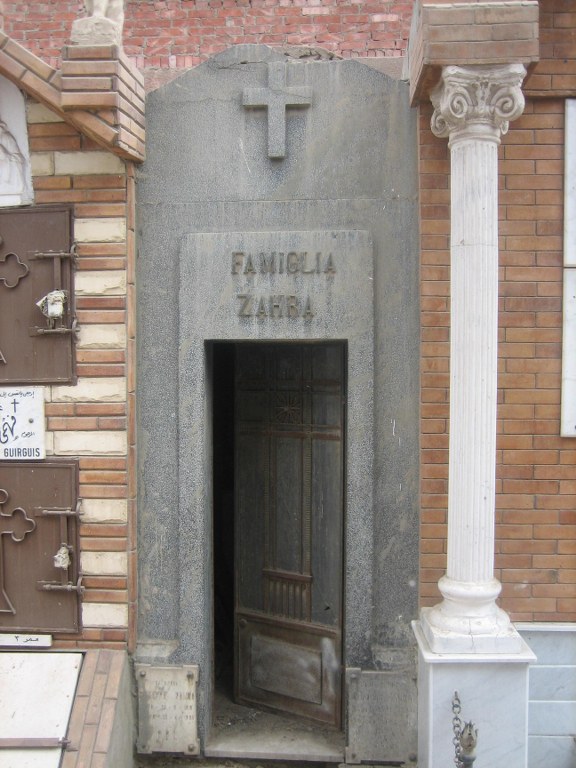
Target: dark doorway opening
column 245, row 431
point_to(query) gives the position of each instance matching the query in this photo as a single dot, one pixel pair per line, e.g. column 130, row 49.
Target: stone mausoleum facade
column 300, row 249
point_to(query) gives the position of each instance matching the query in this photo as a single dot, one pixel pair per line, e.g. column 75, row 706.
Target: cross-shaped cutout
column 275, row 99
column 12, row 270
column 17, row 525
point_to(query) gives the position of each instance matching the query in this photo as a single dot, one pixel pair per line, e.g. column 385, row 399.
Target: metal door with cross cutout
column 39, row 571
column 289, row 459
column 37, row 323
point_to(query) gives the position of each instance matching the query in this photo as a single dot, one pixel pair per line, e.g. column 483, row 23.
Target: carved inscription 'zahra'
column 283, row 265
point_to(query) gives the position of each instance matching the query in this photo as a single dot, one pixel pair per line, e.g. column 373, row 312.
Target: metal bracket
column 51, row 586
column 64, row 512
column 34, row 743
column 74, row 329
column 71, row 254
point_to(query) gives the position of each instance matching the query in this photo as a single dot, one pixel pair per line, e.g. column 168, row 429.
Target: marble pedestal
column 493, row 690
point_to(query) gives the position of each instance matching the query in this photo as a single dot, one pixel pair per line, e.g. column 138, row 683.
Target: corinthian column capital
column 478, row 100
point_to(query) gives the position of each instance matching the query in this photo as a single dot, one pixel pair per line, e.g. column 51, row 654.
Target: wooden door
column 289, row 464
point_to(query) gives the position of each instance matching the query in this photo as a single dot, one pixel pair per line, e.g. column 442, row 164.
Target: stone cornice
column 467, row 33
column 113, row 119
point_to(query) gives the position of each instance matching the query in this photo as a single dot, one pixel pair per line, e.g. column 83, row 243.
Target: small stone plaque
column 382, row 710
column 167, row 719
column 23, row 640
column 22, row 428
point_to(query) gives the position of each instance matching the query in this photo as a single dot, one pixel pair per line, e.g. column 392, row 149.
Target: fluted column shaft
column 472, row 107
column 473, row 358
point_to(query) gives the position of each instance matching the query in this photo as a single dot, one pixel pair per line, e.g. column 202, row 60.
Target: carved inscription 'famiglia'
column 279, row 263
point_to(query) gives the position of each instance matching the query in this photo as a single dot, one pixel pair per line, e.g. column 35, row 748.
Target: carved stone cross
column 16, row 524
column 275, row 99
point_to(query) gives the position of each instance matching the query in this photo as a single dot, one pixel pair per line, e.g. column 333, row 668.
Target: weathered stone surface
column 76, row 163
column 167, row 716
column 382, row 719
column 96, row 30
column 104, row 615
column 87, row 390
column 104, row 510
column 209, row 189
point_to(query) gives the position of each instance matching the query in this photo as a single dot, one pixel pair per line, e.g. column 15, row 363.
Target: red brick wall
column 177, row 34
column 536, row 469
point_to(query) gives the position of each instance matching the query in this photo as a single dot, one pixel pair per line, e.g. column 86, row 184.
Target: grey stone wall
column 209, row 187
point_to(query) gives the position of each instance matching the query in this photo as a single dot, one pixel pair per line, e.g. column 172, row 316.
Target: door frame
column 231, row 389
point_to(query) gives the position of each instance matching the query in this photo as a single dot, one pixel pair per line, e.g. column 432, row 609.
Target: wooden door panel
column 326, row 560
column 290, row 667
column 289, row 518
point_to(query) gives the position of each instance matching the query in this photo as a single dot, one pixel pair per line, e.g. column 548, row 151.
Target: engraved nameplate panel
column 167, row 718
column 282, row 284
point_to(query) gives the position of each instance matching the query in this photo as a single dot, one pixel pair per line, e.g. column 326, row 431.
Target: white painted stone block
column 552, row 642
column 553, row 683
column 103, row 283
column 552, row 707
column 568, row 410
column 36, row 697
column 551, row 752
column 104, row 615
column 493, row 690
column 102, row 337
column 49, row 443
column 38, row 113
column 104, row 230
column 42, row 163
column 78, row 163
column 92, row 390
column 552, row 718
column 102, row 443
column 570, row 184
column 104, row 563
column 104, row 511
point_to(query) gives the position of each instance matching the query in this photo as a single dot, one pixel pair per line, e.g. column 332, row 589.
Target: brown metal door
column 289, row 518
column 36, row 262
column 39, row 573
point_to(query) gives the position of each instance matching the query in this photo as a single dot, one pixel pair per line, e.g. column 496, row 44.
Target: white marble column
column 473, row 107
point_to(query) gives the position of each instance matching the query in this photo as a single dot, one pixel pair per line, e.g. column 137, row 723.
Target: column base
column 469, row 636
column 468, row 620
column 493, row 690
